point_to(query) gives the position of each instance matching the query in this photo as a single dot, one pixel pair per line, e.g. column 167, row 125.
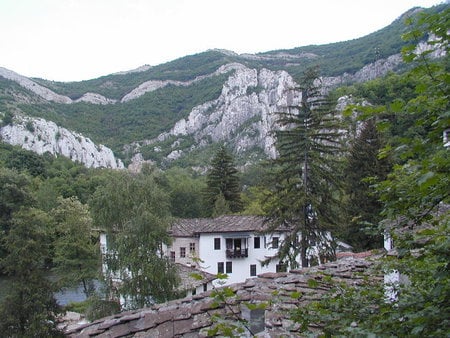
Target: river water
column 64, row 297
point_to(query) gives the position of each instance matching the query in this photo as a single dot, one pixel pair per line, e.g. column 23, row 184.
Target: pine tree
column 304, row 180
column 364, row 168
column 222, row 180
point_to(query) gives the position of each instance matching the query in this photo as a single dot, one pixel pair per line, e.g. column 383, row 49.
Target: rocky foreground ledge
column 193, row 316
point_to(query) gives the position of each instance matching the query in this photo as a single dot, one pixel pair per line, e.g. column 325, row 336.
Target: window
column 205, row 287
column 252, row 270
column 182, row 252
column 194, row 292
column 229, row 267
column 172, row 256
column 229, row 243
column 220, row 267
column 274, row 242
column 281, row 267
column 192, row 247
column 216, row 243
column 257, row 242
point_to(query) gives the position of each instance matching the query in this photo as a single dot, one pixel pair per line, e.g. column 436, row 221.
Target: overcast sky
column 72, row 40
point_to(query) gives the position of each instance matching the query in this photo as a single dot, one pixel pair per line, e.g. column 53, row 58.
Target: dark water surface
column 63, row 297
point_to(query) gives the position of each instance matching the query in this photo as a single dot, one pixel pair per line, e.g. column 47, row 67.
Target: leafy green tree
column 363, row 169
column 25, row 160
column 77, row 255
column 253, row 199
column 14, row 194
column 304, row 182
column 45, row 194
column 185, row 193
column 222, row 180
column 29, row 309
column 134, row 210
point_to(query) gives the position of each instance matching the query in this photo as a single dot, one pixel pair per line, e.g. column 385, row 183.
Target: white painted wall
column 103, row 250
column 179, row 242
column 240, row 266
column 199, row 289
column 388, row 241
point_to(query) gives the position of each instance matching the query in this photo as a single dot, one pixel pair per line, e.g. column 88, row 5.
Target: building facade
column 230, row 244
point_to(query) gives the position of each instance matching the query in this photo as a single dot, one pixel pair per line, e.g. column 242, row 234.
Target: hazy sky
column 71, row 40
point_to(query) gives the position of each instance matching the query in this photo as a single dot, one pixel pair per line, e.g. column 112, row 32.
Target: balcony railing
column 232, row 253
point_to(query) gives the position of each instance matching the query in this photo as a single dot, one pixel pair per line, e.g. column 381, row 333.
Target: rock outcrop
column 39, row 90
column 95, row 98
column 41, row 136
column 152, row 85
column 244, row 115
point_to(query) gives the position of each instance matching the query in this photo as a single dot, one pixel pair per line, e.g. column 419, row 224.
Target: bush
column 99, row 308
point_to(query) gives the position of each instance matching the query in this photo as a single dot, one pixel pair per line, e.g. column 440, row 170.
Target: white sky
column 72, row 40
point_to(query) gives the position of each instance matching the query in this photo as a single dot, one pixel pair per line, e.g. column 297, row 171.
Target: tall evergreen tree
column 305, row 179
column 222, row 180
column 363, row 169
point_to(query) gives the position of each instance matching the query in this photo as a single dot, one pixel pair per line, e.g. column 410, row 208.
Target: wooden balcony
column 231, row 253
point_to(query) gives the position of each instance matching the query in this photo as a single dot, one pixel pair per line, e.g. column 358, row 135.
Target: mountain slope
column 166, row 112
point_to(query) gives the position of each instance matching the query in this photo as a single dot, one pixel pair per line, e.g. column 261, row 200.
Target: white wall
column 240, row 266
column 103, row 250
column 184, row 242
column 199, row 289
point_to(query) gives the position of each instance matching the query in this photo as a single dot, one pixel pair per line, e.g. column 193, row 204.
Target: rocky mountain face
column 48, row 94
column 43, row 136
column 243, row 116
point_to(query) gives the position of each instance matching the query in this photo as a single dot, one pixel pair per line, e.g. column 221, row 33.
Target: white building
column 190, row 283
column 231, row 245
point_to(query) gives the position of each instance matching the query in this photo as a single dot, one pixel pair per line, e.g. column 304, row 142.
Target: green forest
column 394, row 173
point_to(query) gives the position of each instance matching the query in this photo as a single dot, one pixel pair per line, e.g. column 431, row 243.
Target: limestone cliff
column 43, row 136
column 39, row 90
column 243, row 116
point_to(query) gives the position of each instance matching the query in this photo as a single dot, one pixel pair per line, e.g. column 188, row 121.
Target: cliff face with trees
column 173, row 114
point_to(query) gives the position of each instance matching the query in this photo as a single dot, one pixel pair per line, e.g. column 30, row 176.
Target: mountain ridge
column 164, row 113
